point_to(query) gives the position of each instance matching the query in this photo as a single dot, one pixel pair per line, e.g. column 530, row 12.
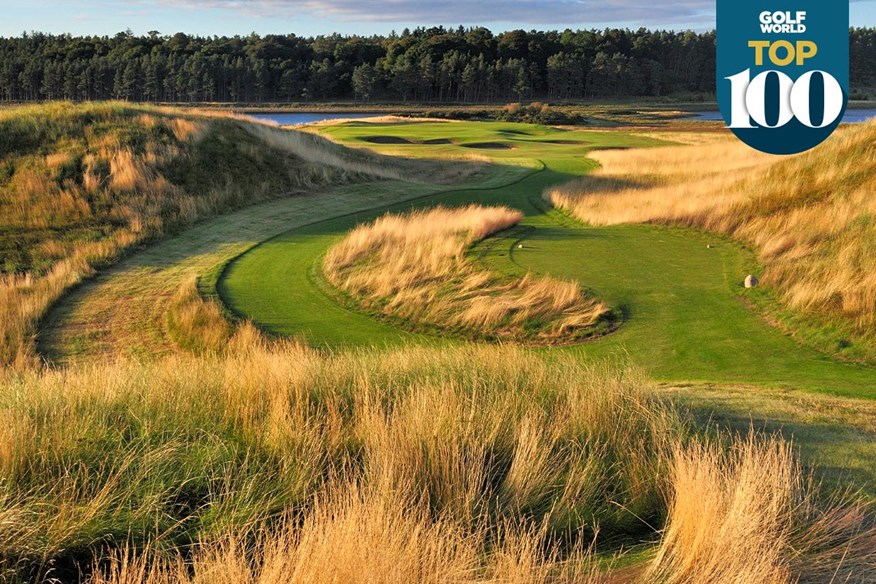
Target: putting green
column 685, row 319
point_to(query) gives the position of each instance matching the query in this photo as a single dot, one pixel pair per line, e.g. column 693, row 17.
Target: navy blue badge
column 783, row 71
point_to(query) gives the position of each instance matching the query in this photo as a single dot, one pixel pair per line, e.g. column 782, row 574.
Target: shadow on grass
column 834, row 439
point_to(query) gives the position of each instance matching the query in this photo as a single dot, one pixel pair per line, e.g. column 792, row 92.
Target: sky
column 363, row 17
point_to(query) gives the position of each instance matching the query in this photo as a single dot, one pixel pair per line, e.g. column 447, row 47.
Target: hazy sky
column 312, row 17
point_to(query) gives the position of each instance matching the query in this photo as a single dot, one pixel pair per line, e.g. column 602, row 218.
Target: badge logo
column 783, row 71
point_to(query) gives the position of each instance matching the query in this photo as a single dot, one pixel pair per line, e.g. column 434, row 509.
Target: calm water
column 310, row 118
column 853, row 116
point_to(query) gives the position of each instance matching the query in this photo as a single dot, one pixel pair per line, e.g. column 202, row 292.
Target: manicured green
column 685, row 315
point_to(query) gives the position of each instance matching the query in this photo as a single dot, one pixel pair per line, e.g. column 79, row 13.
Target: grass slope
column 685, row 318
column 809, row 217
column 80, row 184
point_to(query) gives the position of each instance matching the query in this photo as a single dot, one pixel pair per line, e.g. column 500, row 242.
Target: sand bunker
column 489, row 146
column 386, row 140
column 399, row 140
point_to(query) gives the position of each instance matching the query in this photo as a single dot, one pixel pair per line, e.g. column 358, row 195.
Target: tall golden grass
column 196, row 324
column 809, row 217
column 400, row 449
column 685, row 184
column 80, row 184
column 273, row 463
column 414, row 268
column 353, row 537
column 749, row 516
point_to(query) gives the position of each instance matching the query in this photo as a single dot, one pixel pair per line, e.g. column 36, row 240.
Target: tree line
column 463, row 65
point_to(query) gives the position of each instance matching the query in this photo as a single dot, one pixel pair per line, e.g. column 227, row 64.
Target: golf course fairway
column 685, row 319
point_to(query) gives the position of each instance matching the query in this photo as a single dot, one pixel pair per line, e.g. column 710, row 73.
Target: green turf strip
column 685, row 316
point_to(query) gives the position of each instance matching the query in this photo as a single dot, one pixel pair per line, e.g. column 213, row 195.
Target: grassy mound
column 810, row 218
column 413, row 268
column 79, row 184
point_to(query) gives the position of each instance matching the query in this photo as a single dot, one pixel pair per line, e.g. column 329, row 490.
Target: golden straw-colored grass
column 419, row 464
column 747, row 515
column 272, row 463
column 195, row 324
column 362, row 538
column 414, row 267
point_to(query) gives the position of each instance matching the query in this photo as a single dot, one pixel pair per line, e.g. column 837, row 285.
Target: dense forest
column 468, row 65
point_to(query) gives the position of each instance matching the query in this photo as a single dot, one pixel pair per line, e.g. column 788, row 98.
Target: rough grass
column 273, row 463
column 679, row 289
column 809, row 217
column 194, row 324
column 122, row 310
column 747, row 515
column 835, row 437
column 414, row 267
column 81, row 184
column 187, row 449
